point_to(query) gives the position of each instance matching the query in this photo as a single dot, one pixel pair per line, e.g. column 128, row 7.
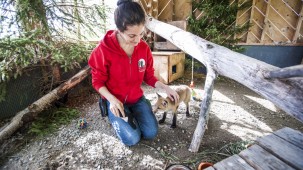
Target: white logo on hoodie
column 141, row 65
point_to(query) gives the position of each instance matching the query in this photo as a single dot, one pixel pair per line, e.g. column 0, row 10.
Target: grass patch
column 46, row 123
column 49, row 121
column 224, row 152
column 234, row 148
column 207, row 155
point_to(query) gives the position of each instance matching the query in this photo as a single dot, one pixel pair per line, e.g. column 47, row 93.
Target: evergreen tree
column 47, row 32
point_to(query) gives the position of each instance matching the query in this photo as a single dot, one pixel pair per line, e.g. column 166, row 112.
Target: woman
column 120, row 63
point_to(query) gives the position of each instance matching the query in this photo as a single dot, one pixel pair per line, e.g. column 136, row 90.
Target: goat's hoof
column 161, row 121
column 173, row 126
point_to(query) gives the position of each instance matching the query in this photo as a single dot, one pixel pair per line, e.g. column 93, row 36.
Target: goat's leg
column 163, row 118
column 187, row 110
column 174, row 121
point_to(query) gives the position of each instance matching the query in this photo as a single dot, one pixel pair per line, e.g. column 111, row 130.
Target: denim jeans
column 144, row 119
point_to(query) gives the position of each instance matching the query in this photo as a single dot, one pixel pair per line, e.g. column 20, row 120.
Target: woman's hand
column 116, row 107
column 172, row 94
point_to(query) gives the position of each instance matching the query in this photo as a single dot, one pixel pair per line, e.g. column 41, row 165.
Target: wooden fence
column 274, row 22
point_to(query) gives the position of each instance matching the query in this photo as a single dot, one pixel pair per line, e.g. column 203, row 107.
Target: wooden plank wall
column 151, row 9
column 242, row 19
column 182, row 9
column 167, row 11
column 274, row 22
column 257, row 21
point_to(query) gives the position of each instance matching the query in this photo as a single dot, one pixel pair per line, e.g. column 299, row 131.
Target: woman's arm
column 98, row 64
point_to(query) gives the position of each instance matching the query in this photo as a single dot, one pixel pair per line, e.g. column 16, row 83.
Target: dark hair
column 128, row 13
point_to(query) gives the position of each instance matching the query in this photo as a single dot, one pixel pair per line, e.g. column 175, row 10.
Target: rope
column 192, row 69
column 192, row 73
column 194, row 94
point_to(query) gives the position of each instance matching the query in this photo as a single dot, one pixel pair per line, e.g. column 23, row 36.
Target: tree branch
column 288, row 72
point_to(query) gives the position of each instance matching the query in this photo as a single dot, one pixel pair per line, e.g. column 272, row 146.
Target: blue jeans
column 144, row 119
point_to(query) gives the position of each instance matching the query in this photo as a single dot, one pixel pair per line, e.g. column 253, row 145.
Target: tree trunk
column 32, row 111
column 287, row 94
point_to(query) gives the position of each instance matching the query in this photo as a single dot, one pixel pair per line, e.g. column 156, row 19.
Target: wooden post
column 204, row 112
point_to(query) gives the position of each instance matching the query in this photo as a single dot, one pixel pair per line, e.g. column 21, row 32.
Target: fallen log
column 287, row 94
column 44, row 102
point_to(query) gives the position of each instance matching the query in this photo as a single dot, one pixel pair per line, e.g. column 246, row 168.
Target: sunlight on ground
column 236, row 120
column 222, row 98
column 265, row 103
column 148, row 161
column 233, row 118
column 102, row 146
column 105, row 143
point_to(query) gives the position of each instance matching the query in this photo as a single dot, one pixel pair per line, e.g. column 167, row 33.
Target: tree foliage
column 52, row 31
column 217, row 23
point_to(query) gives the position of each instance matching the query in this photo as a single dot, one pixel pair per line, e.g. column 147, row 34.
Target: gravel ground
column 237, row 114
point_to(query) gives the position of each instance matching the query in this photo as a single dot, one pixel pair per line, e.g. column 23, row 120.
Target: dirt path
column 237, row 114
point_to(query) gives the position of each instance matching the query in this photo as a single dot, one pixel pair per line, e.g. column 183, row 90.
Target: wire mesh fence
column 17, row 94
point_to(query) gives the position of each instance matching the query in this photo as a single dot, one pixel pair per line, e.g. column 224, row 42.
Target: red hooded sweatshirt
column 122, row 75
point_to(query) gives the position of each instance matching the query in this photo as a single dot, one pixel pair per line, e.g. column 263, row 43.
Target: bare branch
column 288, row 72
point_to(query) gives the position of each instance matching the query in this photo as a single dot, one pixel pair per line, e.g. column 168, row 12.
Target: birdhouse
column 168, row 65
